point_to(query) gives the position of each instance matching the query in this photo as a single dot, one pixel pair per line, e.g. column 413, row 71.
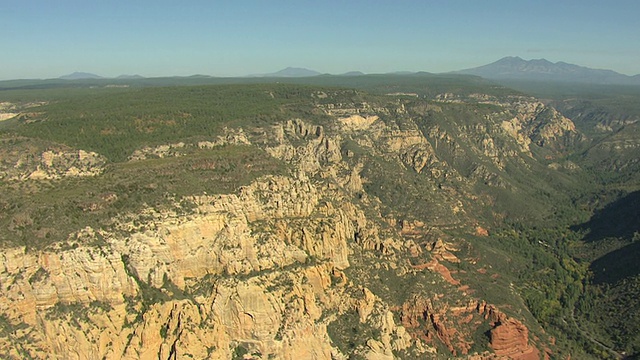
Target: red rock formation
column 434, row 265
column 414, row 311
column 419, row 315
column 442, row 251
column 443, row 333
column 509, row 337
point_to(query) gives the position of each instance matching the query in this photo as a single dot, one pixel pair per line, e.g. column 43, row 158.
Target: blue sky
column 45, row 38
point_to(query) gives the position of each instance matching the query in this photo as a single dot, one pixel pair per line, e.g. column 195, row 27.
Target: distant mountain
column 353, row 73
column 130, row 77
column 80, row 75
column 196, row 76
column 515, row 68
column 290, row 72
column 401, row 73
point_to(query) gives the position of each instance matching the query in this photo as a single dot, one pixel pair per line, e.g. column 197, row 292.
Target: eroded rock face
column 264, row 227
column 545, row 126
column 274, row 224
column 511, row 339
column 318, row 151
column 358, row 122
column 39, row 281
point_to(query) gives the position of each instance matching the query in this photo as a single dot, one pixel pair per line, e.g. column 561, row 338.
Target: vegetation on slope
column 116, row 124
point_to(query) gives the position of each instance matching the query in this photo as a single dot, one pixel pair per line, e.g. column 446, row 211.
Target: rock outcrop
column 24, row 159
column 511, row 339
column 537, row 123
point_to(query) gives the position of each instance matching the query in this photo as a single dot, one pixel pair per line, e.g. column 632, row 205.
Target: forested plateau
column 374, row 217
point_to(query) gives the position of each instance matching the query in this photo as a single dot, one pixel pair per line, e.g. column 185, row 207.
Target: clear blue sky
column 47, row 38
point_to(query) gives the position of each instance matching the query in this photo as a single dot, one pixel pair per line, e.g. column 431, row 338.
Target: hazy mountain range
column 515, row 68
column 85, row 75
column 508, row 68
column 80, row 75
column 290, row 72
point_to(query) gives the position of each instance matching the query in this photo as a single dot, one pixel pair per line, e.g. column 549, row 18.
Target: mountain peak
column 510, row 59
column 516, row 68
column 80, row 75
column 353, row 73
column 295, row 72
column 290, row 72
column 127, row 76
